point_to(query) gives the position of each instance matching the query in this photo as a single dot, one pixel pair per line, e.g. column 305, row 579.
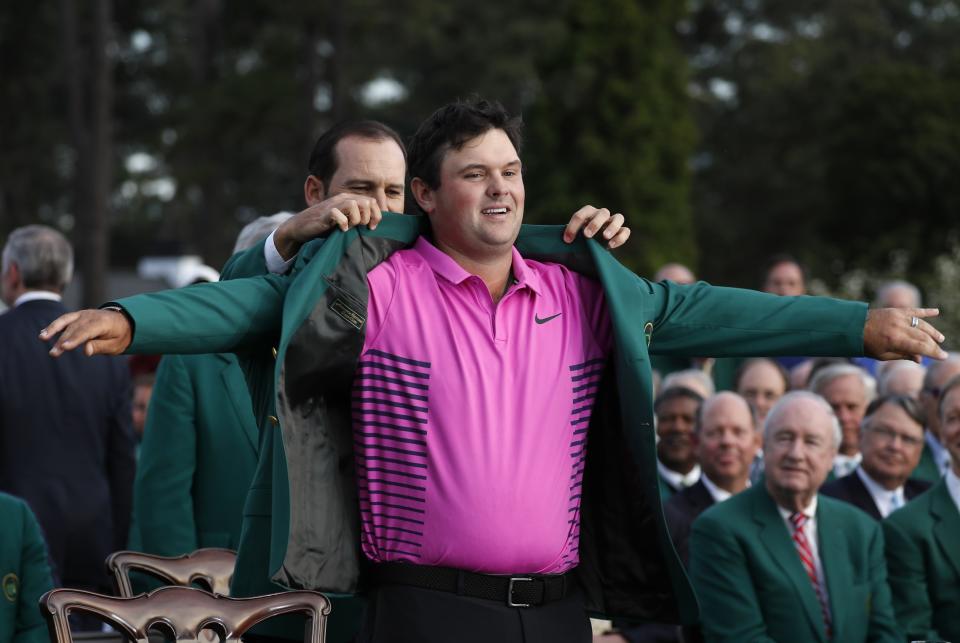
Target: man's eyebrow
column 484, row 166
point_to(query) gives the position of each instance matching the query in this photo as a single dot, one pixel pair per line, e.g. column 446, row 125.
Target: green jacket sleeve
column 908, row 583
column 703, row 320
column 163, row 493
column 247, row 263
column 221, row 317
column 35, row 580
column 729, row 606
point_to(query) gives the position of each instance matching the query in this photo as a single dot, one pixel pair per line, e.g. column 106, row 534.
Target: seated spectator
column 725, row 441
column 778, row 562
column 848, row 389
column 922, row 544
column 784, row 276
column 935, row 459
column 891, row 440
column 898, row 294
column 901, row 378
column 25, row 573
column 761, row 382
column 142, row 390
column 676, row 411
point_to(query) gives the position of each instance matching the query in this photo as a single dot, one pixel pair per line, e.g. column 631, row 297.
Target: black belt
column 523, row 590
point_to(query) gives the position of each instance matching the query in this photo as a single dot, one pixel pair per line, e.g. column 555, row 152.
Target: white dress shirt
column 35, row 295
column 940, row 454
column 718, row 494
column 844, row 464
column 679, row 480
column 886, row 500
column 275, row 263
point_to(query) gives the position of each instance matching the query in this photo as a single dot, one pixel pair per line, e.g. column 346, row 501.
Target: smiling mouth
column 494, row 211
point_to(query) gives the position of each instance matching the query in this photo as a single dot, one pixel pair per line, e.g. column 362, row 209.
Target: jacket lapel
column 776, row 539
column 236, row 387
column 861, row 496
column 947, row 526
column 835, row 563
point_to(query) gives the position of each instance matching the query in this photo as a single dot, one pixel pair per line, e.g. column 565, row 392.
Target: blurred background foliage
column 726, row 130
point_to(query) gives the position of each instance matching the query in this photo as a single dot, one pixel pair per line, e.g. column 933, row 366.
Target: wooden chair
column 211, row 567
column 183, row 614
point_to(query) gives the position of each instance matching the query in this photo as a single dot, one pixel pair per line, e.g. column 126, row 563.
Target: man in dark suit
column 779, row 562
column 923, row 543
column 891, row 439
column 66, row 443
column 676, row 411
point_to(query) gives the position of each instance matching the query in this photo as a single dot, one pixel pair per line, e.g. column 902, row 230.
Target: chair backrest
column 181, row 613
column 214, row 567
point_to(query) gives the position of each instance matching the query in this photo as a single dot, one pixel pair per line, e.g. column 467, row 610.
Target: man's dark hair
column 675, row 393
column 750, row 363
column 907, row 404
column 450, row 127
column 323, row 159
column 782, row 257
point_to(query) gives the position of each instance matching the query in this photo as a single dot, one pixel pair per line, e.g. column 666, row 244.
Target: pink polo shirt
column 470, row 418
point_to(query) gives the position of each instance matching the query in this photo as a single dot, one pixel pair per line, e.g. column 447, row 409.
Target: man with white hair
column 848, row 389
column 779, row 562
column 901, row 378
column 66, row 441
column 898, row 294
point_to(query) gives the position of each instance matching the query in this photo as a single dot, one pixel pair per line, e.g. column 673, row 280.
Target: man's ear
column 423, row 194
column 314, row 191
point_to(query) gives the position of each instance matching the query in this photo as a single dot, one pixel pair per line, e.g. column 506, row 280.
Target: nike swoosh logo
column 545, row 319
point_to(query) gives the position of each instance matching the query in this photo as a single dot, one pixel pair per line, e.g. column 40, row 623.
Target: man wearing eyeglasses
column 891, row 441
column 935, row 459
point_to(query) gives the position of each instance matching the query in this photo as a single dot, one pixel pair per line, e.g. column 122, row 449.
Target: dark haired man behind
column 676, row 411
column 891, row 440
column 461, row 373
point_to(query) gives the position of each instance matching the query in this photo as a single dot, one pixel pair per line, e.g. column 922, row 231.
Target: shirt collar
column 719, row 495
column 677, row 479
column 445, row 266
column 36, row 295
column 881, row 495
column 953, row 486
column 810, row 511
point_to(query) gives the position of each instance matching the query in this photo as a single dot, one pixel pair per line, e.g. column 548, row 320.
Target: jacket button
column 273, row 420
column 274, row 351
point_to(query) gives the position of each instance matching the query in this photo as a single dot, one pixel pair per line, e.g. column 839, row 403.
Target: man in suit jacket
column 66, row 443
column 923, row 544
column 676, row 410
column 24, row 573
column 891, row 439
column 849, row 389
column 780, row 563
column 321, row 336
column 935, row 459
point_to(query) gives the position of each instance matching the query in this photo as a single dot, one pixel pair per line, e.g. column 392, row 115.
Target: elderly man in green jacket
column 923, row 543
column 468, row 182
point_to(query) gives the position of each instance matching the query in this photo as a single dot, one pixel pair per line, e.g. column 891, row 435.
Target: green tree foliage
column 612, row 126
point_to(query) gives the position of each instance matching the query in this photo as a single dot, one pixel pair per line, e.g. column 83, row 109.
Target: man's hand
column 890, row 334
column 344, row 211
column 592, row 220
column 100, row 332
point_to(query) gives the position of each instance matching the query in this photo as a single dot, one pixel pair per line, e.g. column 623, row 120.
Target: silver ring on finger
column 914, row 322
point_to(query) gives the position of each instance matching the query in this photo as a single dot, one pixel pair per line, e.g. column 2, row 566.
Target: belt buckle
column 514, row 580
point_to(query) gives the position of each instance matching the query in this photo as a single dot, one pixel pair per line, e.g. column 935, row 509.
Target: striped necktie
column 798, row 520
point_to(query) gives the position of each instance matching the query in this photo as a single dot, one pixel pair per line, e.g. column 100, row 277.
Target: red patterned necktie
column 798, row 520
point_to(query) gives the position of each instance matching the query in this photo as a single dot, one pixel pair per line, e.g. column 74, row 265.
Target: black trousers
column 405, row 614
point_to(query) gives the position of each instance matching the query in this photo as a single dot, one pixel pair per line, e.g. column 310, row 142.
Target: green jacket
column 198, row 456
column 923, row 555
column 927, row 469
column 24, row 573
column 753, row 588
column 304, row 492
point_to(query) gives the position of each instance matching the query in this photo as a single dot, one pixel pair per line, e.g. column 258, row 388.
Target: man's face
column 675, row 420
column 891, row 445
column 931, row 397
column 785, row 278
column 761, row 385
column 849, row 401
column 373, row 168
column 798, row 449
column 477, row 210
column 727, row 442
column 950, row 427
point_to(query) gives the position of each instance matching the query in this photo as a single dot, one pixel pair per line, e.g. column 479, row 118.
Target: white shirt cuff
column 275, row 263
